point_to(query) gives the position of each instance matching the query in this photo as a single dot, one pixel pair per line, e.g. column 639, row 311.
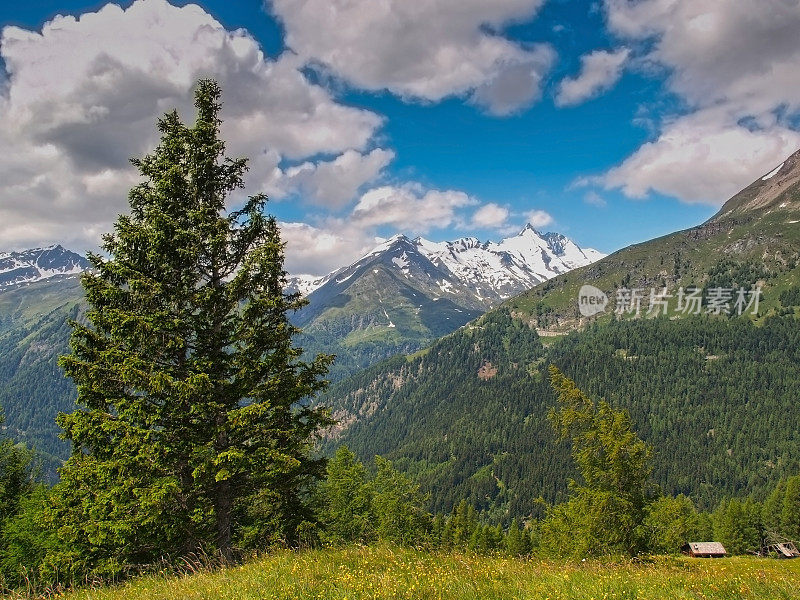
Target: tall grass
column 391, row 573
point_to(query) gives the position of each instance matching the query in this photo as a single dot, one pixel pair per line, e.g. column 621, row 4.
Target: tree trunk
column 224, row 496
column 223, row 508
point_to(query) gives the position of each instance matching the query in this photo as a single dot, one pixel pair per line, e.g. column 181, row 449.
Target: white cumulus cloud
column 318, row 250
column 421, row 49
column 734, row 63
column 83, row 95
column 410, row 208
column 539, row 218
column 600, row 70
column 334, row 183
column 702, row 158
column 491, row 216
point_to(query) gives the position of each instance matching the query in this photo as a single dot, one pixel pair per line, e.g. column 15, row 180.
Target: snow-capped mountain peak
column 28, row 266
column 305, row 284
column 467, row 269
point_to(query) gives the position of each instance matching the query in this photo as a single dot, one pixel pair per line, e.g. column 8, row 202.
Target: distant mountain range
column 406, row 292
column 486, row 272
column 29, row 266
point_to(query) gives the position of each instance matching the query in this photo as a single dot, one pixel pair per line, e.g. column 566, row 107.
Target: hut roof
column 706, row 548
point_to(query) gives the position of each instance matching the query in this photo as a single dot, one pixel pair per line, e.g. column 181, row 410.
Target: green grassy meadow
column 384, row 572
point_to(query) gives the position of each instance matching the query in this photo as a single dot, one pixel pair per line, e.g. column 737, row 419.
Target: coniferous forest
column 202, row 432
column 715, row 397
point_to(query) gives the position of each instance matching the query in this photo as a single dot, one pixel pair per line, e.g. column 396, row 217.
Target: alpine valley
column 406, row 293
column 398, row 298
column 715, row 394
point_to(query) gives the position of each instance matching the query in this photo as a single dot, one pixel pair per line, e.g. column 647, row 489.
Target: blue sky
column 610, row 121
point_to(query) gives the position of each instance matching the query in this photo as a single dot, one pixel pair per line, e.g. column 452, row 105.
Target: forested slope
column 34, row 332
column 716, row 397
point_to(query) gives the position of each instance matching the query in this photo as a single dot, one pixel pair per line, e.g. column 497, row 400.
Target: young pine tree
column 606, row 510
column 347, row 499
column 193, row 431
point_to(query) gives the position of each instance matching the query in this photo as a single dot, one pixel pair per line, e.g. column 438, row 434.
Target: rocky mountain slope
column 29, row 266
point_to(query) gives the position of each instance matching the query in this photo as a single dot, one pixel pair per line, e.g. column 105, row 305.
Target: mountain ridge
column 464, row 257
column 36, row 264
column 774, row 188
column 406, row 292
column 753, row 240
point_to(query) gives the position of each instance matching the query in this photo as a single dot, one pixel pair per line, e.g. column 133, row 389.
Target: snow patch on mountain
column 36, row 264
column 305, row 284
column 774, row 172
column 488, row 272
column 508, row 266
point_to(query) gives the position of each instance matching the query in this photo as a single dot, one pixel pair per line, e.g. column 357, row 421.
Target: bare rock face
column 778, row 190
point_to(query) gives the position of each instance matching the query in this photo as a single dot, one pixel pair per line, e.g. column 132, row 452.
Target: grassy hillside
column 755, row 238
column 390, row 573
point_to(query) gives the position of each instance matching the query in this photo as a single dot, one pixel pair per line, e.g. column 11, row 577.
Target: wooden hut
column 785, row 550
column 704, row 549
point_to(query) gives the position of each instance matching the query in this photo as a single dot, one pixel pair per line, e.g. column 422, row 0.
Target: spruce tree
column 193, row 431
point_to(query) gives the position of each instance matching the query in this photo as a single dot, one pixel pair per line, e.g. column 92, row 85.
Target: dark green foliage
column 465, row 530
column 192, row 432
column 790, row 297
column 357, row 507
column 735, row 274
column 517, row 541
column 716, row 398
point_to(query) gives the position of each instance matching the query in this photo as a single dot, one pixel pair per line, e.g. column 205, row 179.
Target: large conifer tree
column 193, row 430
